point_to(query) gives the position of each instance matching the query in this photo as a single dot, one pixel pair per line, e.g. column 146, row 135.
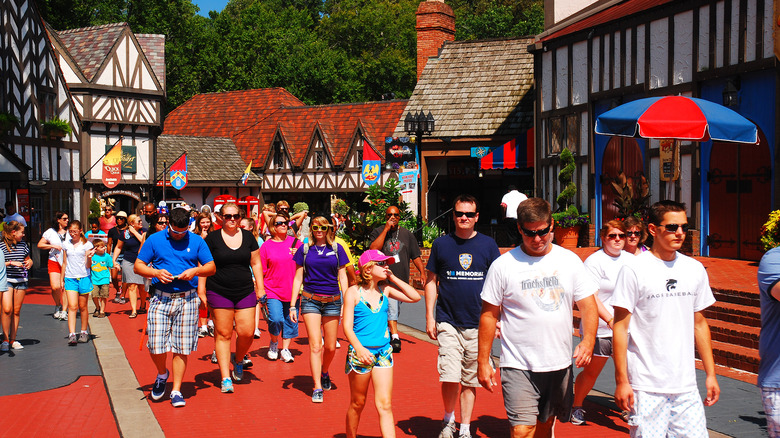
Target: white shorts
column 771, row 399
column 667, row 415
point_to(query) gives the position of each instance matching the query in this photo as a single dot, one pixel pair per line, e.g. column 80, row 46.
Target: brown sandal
column 133, row 315
column 102, row 315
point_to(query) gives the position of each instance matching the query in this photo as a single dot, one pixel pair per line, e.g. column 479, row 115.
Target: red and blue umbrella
column 677, row 117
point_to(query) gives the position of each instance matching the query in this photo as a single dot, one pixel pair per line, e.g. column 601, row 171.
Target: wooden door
column 740, row 198
column 621, row 155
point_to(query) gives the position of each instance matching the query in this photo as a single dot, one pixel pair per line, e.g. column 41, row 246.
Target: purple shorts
column 218, row 301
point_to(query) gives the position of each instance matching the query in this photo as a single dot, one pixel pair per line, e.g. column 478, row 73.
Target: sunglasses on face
column 320, row 227
column 280, row 224
column 231, row 217
column 533, row 233
column 63, row 218
column 633, row 233
column 672, row 228
column 381, row 264
column 616, row 236
column 162, row 223
column 393, row 214
column 177, row 232
column 468, row 214
column 283, row 208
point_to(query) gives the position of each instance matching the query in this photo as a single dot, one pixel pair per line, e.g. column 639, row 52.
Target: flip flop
column 102, row 315
column 133, row 315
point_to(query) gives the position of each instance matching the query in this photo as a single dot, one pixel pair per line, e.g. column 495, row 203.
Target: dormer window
column 278, row 156
column 319, row 159
column 360, row 158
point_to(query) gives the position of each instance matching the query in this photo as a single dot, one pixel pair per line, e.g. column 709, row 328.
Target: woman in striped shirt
column 17, row 262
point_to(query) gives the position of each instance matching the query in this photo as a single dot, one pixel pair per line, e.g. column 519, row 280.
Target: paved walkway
column 275, row 399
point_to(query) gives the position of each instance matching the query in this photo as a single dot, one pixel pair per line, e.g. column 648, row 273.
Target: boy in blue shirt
column 101, row 277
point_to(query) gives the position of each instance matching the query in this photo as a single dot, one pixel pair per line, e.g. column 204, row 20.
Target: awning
column 516, row 153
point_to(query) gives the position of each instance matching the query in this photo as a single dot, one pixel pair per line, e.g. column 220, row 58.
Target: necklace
column 320, row 251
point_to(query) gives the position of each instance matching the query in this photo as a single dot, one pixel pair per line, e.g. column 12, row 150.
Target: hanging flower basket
column 56, row 128
column 7, row 122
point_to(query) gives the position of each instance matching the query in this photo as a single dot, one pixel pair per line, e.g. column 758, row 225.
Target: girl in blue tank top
column 370, row 356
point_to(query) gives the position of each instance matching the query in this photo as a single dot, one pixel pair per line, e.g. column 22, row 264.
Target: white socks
column 449, row 417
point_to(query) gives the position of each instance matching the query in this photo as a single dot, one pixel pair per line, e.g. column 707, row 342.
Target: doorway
column 621, row 155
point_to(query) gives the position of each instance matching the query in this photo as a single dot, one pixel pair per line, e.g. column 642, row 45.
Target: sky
column 209, row 5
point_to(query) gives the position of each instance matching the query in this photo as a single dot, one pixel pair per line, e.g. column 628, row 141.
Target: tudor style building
column 117, row 80
column 42, row 173
column 605, row 53
column 301, row 153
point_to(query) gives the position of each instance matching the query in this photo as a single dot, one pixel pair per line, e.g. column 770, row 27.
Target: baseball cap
column 121, row 214
column 217, row 208
column 374, row 255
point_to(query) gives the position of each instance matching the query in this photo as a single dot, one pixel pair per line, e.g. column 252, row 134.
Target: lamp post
column 418, row 124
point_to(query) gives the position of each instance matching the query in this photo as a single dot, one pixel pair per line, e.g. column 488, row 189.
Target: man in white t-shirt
column 509, row 204
column 659, row 299
column 533, row 288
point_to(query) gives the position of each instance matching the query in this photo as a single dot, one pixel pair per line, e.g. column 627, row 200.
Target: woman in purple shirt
column 321, row 271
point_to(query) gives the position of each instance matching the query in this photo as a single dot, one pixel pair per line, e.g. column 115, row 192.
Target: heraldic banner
column 179, row 173
column 112, row 166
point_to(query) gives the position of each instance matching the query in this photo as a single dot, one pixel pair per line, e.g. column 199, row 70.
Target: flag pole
column 100, row 159
column 164, row 172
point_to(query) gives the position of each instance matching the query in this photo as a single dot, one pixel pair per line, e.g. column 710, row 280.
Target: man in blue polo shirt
column 173, row 259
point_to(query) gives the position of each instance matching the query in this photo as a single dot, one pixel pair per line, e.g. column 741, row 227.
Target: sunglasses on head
column 672, row 228
column 533, row 233
column 616, row 236
column 320, row 227
column 231, row 217
column 178, row 232
column 468, row 214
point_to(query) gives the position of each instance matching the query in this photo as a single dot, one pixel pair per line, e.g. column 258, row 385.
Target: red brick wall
column 435, row 25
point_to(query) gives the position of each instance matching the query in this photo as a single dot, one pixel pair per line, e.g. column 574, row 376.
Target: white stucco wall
column 655, row 196
column 750, row 34
column 584, row 201
column 734, row 37
column 547, row 78
column 579, row 73
column 561, row 77
column 769, row 46
column 683, row 48
column 627, row 70
column 595, row 64
column 605, row 66
column 686, row 183
column 659, row 50
column 640, row 54
column 584, row 133
column 719, row 36
column 617, row 67
column 704, row 38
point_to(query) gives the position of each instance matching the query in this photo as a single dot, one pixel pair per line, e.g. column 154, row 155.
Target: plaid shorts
column 383, row 358
column 172, row 324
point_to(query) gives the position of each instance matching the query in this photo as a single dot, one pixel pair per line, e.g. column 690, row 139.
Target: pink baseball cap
column 374, row 255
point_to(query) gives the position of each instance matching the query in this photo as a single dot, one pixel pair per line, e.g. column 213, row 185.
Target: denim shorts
column 23, row 285
column 279, row 319
column 81, row 285
column 332, row 308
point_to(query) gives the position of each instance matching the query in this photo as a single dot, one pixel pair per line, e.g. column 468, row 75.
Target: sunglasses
column 633, row 233
column 616, row 236
column 63, row 218
column 393, row 214
column 283, row 208
column 672, row 228
column 162, row 223
column 178, row 232
column 280, row 224
column 468, row 214
column 320, row 227
column 541, row 233
column 231, row 217
column 383, row 263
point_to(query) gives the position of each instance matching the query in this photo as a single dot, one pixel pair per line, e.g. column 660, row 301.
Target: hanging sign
column 112, row 166
column 669, row 160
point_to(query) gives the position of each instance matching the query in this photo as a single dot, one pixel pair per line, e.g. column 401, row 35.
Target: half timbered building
column 607, row 53
column 43, row 173
column 117, row 80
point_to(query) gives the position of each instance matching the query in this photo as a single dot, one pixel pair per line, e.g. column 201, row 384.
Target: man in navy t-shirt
column 458, row 265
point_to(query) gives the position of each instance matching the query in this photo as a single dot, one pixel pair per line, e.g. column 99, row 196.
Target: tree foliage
column 322, row 51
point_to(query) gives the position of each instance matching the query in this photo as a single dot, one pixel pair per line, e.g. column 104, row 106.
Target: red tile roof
column 226, row 114
column 252, row 118
column 613, row 13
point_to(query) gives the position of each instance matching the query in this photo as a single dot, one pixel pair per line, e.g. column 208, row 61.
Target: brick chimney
column 435, row 25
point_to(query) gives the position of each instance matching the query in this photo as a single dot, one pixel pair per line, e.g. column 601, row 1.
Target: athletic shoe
column 273, row 351
column 72, row 339
column 158, row 389
column 287, row 356
column 202, row 332
column 57, row 311
column 227, row 385
column 17, row 346
column 338, row 344
column 247, row 362
column 64, row 315
column 396, row 343
column 448, row 430
column 177, row 400
column 214, row 356
column 257, row 333
column 83, row 338
column 317, row 396
column 210, row 328
column 578, row 416
column 117, row 300
column 123, row 301
column 238, row 371
column 5, row 346
column 325, row 380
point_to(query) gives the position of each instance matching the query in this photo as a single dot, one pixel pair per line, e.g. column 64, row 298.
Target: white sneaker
column 17, row 346
column 287, row 356
column 257, row 333
column 64, row 315
column 273, row 351
column 57, row 311
column 338, row 344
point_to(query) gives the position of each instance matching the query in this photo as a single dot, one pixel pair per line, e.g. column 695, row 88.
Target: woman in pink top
column 278, row 273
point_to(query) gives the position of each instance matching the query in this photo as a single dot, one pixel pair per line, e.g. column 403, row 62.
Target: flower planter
column 567, row 237
column 55, row 134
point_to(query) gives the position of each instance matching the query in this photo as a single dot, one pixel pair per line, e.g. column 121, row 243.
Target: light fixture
column 731, row 93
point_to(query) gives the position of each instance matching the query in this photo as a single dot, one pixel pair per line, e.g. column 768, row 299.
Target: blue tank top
column 370, row 325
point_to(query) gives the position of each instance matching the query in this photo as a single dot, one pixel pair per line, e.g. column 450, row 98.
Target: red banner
column 112, row 166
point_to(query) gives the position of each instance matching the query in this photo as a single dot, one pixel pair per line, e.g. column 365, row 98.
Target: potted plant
column 770, row 232
column 7, row 121
column 632, row 196
column 568, row 219
column 56, row 128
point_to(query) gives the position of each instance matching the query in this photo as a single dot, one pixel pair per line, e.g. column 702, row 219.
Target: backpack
column 334, row 247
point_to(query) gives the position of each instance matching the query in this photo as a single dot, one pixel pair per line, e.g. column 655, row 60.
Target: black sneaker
column 396, row 344
column 325, row 380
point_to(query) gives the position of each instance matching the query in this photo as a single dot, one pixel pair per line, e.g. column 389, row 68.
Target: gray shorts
column 603, row 347
column 128, row 275
column 531, row 397
column 457, row 354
